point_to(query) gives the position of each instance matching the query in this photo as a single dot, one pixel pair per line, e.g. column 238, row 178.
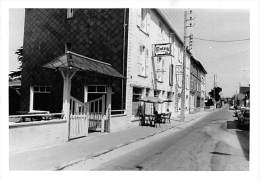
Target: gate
column 86, row 116
column 97, row 114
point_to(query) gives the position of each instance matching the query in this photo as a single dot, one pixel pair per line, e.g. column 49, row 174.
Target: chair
column 168, row 117
column 157, row 119
column 141, row 120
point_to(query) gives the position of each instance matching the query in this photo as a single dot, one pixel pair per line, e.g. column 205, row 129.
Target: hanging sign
column 162, row 49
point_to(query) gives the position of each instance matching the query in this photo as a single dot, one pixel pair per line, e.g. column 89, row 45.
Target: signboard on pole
column 163, row 49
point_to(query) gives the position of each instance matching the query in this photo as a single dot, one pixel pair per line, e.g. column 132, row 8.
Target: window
column 136, row 104
column 67, row 47
column 180, row 55
column 179, row 80
column 142, row 60
column 147, row 93
column 41, row 89
column 187, row 81
column 69, row 13
column 161, row 26
column 40, row 98
column 169, row 95
column 97, row 89
column 137, row 94
column 156, row 93
column 159, row 69
column 142, row 20
column 171, row 75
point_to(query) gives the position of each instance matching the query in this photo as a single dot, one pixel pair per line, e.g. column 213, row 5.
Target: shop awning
column 71, row 60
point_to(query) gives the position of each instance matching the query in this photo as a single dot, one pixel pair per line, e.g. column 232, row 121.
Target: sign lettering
column 162, row 49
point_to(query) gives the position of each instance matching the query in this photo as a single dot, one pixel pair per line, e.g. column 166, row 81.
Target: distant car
column 232, row 108
column 244, row 117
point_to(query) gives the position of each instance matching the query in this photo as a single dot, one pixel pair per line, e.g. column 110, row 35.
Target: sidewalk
column 60, row 156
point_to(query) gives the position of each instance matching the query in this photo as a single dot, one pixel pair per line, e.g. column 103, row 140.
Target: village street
column 213, row 143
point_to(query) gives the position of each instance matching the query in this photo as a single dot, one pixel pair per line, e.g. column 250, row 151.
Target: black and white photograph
column 131, row 89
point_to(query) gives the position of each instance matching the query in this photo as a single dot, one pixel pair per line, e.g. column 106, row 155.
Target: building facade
column 48, row 33
column 149, row 74
column 139, row 43
column 197, row 85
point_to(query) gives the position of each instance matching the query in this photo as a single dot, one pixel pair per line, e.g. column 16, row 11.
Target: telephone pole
column 183, row 94
column 214, row 90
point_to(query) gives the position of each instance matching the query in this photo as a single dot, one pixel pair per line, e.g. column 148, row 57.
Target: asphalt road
column 212, row 144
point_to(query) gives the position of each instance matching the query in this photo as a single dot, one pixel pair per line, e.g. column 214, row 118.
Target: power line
column 222, row 41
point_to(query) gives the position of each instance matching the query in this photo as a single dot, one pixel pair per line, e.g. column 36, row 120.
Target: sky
column 16, row 29
column 228, row 61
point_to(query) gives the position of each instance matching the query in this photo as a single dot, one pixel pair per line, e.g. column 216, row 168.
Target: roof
column 200, row 66
column 82, row 63
column 244, row 89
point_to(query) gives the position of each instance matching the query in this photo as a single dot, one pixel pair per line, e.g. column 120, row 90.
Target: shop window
column 136, row 104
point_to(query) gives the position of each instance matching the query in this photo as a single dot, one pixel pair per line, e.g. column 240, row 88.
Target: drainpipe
column 122, row 87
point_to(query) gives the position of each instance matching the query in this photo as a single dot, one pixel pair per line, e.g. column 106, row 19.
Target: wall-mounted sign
column 162, row 49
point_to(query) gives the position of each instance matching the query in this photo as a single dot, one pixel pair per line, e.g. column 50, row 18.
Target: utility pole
column 214, row 90
column 186, row 19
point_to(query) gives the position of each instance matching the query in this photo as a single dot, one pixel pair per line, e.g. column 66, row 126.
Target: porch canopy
column 69, row 64
column 74, row 61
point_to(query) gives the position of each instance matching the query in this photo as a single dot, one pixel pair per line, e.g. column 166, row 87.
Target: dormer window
column 69, row 13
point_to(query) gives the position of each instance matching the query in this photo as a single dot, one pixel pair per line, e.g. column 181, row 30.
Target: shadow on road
column 243, row 136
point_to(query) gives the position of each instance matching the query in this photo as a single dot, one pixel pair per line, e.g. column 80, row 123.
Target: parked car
column 231, row 108
column 244, row 117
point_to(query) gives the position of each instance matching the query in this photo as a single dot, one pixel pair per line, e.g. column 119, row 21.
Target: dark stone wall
column 96, row 33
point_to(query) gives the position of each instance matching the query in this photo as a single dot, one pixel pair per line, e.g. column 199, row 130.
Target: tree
column 17, row 74
column 19, row 52
column 215, row 93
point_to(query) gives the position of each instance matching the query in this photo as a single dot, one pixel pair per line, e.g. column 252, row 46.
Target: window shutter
column 171, row 75
column 146, row 60
column 148, row 20
column 138, row 17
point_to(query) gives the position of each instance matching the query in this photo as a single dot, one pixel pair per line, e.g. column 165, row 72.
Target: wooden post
column 103, row 114
column 108, row 105
column 31, row 98
column 85, row 93
column 67, row 76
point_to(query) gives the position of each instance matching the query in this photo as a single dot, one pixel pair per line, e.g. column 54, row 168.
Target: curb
column 94, row 155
